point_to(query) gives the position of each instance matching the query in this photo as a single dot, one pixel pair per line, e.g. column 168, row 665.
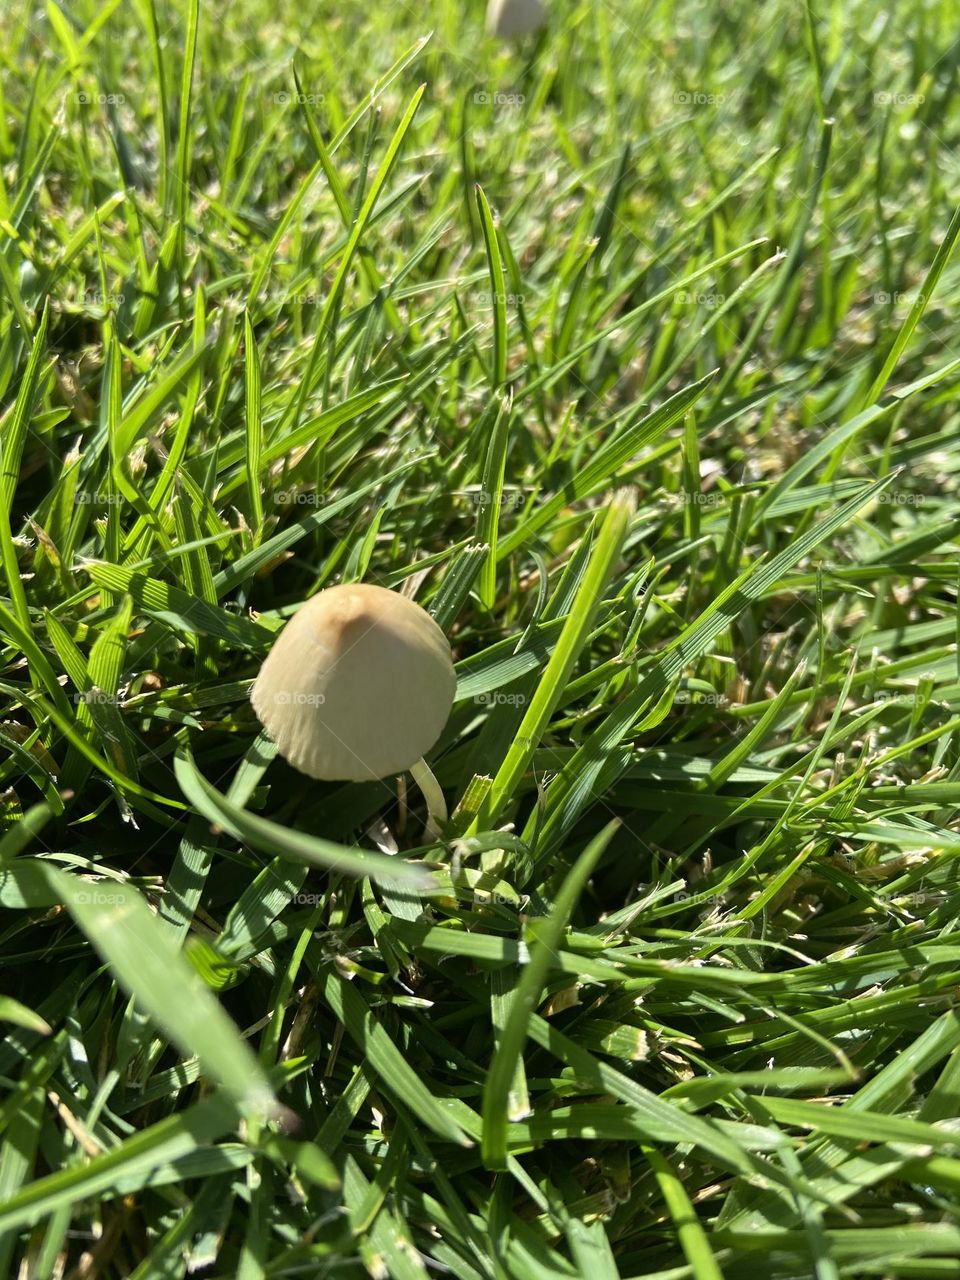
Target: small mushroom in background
column 358, row 686
column 511, row 19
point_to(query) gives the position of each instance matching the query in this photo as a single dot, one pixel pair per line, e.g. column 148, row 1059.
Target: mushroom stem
column 430, row 788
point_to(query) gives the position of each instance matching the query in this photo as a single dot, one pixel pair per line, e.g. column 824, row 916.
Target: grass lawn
column 630, row 350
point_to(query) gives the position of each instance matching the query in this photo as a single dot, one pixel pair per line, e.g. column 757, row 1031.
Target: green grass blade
column 526, row 996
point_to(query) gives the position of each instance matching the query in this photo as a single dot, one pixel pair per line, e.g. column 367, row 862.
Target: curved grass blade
column 356, row 235
column 176, row 608
column 491, row 495
column 254, row 434
column 498, row 372
column 297, row 846
column 526, row 995
column 149, row 966
column 920, row 305
column 550, row 689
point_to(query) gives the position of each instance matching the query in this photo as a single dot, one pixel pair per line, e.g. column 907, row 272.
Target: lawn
column 629, row 350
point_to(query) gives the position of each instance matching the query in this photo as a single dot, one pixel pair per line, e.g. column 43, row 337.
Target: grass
column 632, row 352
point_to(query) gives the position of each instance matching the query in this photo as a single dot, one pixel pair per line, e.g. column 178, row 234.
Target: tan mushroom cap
column 511, row 19
column 358, row 685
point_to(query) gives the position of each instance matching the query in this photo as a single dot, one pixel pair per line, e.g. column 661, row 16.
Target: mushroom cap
column 358, row 684
column 510, row 19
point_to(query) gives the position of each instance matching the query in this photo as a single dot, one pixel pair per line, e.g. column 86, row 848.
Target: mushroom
column 358, row 686
column 511, row 19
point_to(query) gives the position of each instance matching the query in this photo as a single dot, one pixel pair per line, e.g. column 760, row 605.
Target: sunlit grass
column 631, row 352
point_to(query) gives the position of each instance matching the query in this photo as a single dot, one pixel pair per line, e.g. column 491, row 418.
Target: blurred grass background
column 631, row 350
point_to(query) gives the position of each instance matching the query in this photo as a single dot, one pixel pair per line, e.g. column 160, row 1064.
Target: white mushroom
column 358, row 685
column 510, row 19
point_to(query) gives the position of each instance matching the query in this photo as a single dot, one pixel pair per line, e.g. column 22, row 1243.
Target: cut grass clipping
column 628, row 350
